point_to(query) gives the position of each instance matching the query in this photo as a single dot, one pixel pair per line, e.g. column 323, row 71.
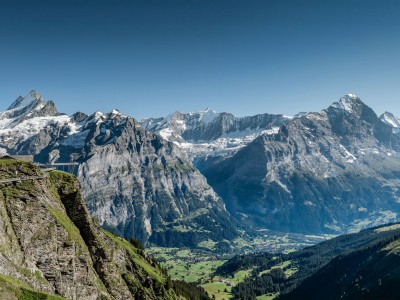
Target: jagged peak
column 116, row 113
column 35, row 94
column 208, row 115
column 390, row 119
column 79, row 116
column 96, row 116
column 208, row 110
column 347, row 103
column 32, row 96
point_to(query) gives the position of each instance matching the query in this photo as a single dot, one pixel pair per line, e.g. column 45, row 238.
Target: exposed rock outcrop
column 50, row 244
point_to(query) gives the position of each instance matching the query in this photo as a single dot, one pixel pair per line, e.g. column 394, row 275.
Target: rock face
column 50, row 244
column 140, row 185
column 332, row 171
column 208, row 125
column 135, row 183
column 207, row 136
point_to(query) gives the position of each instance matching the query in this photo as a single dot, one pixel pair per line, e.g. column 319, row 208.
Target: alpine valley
column 328, row 172
column 198, row 188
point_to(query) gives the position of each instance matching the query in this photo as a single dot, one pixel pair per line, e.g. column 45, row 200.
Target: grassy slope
column 153, row 272
column 11, row 288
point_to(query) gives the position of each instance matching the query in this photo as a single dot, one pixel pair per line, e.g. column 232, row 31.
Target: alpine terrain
column 332, row 171
column 135, row 183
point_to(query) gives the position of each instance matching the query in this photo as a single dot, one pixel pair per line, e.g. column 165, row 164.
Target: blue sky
column 150, row 58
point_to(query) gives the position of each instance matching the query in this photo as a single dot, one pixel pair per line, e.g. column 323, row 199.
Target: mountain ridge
column 135, row 183
column 318, row 169
column 262, row 166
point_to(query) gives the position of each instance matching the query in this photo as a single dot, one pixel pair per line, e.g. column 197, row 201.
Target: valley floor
column 198, row 265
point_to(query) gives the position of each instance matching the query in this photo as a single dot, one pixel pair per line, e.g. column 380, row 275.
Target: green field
column 221, row 287
column 194, row 266
column 284, row 266
column 267, row 297
column 198, row 265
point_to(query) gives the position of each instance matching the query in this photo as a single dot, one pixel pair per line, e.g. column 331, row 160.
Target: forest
column 266, row 278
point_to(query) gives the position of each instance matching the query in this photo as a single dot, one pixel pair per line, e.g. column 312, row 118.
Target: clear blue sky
column 150, row 58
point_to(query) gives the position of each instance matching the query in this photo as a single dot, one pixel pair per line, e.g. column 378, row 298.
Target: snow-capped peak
column 390, row 119
column 351, row 96
column 208, row 115
column 27, row 100
column 26, row 117
column 96, row 116
column 346, row 103
column 115, row 113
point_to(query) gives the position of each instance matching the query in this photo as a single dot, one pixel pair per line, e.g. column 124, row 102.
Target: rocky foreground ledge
column 50, row 247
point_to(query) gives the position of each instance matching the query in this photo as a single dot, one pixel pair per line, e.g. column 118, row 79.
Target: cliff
column 49, row 244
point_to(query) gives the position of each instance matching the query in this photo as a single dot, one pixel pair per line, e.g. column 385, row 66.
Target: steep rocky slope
column 135, row 183
column 49, row 244
column 209, row 125
column 140, row 185
column 332, row 171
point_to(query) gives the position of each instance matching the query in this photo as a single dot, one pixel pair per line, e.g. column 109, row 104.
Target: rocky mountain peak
column 30, row 106
column 348, row 103
column 79, row 116
column 391, row 120
column 32, row 96
column 26, row 117
column 105, row 119
column 208, row 115
column 351, row 107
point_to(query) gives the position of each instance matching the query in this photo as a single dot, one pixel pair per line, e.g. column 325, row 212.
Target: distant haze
column 151, row 58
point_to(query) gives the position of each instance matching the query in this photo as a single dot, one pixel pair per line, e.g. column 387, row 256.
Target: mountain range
column 135, row 183
column 326, row 172
column 168, row 180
